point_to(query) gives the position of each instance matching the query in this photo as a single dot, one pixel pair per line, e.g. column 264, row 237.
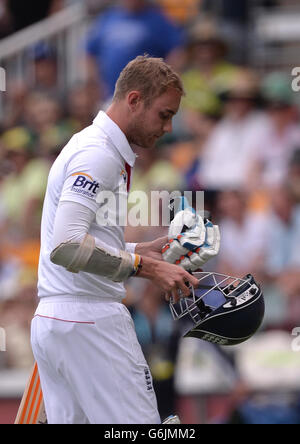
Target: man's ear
column 134, row 100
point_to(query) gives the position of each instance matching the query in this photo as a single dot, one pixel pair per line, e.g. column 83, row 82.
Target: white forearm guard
column 85, row 256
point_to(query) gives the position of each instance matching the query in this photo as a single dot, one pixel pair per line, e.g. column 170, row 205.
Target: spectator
column 183, row 11
column 284, row 238
column 154, row 172
column 9, row 276
column 207, row 72
column 185, row 155
column 234, row 20
column 46, row 124
column 121, row 33
column 23, row 189
column 268, row 390
column 82, row 104
column 225, row 159
column 272, row 151
column 249, row 230
column 42, row 111
column 45, row 74
column 14, row 104
column 282, row 254
column 35, row 112
column 41, row 77
column 21, row 196
column 16, row 314
column 293, row 176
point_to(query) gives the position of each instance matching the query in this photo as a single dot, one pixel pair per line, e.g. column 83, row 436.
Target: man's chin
column 145, row 145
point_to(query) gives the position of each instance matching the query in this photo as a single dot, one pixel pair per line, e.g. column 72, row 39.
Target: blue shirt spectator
column 284, row 243
column 121, row 33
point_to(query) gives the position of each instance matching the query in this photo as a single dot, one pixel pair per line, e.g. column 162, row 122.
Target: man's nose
column 168, row 126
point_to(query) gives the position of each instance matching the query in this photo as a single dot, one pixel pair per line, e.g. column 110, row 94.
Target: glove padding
column 191, row 241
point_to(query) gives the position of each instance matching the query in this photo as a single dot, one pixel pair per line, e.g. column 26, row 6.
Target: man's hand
column 152, row 249
column 173, row 280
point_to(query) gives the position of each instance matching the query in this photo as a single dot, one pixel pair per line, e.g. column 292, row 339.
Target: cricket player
column 91, row 366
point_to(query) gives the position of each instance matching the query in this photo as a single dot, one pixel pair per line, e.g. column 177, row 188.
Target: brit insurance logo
column 85, row 185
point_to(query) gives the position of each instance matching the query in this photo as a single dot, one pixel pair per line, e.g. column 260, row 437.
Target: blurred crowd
column 236, row 137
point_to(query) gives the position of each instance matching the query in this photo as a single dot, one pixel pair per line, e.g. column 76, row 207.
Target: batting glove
column 191, row 241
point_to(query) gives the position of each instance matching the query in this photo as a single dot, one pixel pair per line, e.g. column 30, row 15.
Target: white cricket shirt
column 97, row 159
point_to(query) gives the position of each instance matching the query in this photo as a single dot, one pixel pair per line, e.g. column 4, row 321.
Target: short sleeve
column 90, row 171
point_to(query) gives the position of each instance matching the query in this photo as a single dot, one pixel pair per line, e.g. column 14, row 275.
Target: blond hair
column 148, row 75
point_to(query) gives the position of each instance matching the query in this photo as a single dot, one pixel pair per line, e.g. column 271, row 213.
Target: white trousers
column 91, row 365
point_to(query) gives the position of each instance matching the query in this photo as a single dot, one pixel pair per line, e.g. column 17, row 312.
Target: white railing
column 279, row 25
column 64, row 31
column 44, row 29
column 277, row 36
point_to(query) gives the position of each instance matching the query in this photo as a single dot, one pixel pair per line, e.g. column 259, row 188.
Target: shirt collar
column 116, row 135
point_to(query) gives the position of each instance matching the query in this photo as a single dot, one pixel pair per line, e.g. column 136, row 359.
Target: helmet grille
column 214, row 289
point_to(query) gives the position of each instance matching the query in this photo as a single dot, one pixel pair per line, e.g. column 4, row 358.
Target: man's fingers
column 194, row 281
column 179, row 284
column 168, row 296
column 162, row 240
column 159, row 243
column 175, row 296
column 184, row 288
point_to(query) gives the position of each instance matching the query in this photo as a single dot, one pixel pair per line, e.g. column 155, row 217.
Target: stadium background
column 237, row 137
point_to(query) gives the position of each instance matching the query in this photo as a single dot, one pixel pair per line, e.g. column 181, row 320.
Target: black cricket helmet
column 224, row 310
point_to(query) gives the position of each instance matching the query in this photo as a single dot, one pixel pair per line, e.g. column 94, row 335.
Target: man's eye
column 164, row 116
